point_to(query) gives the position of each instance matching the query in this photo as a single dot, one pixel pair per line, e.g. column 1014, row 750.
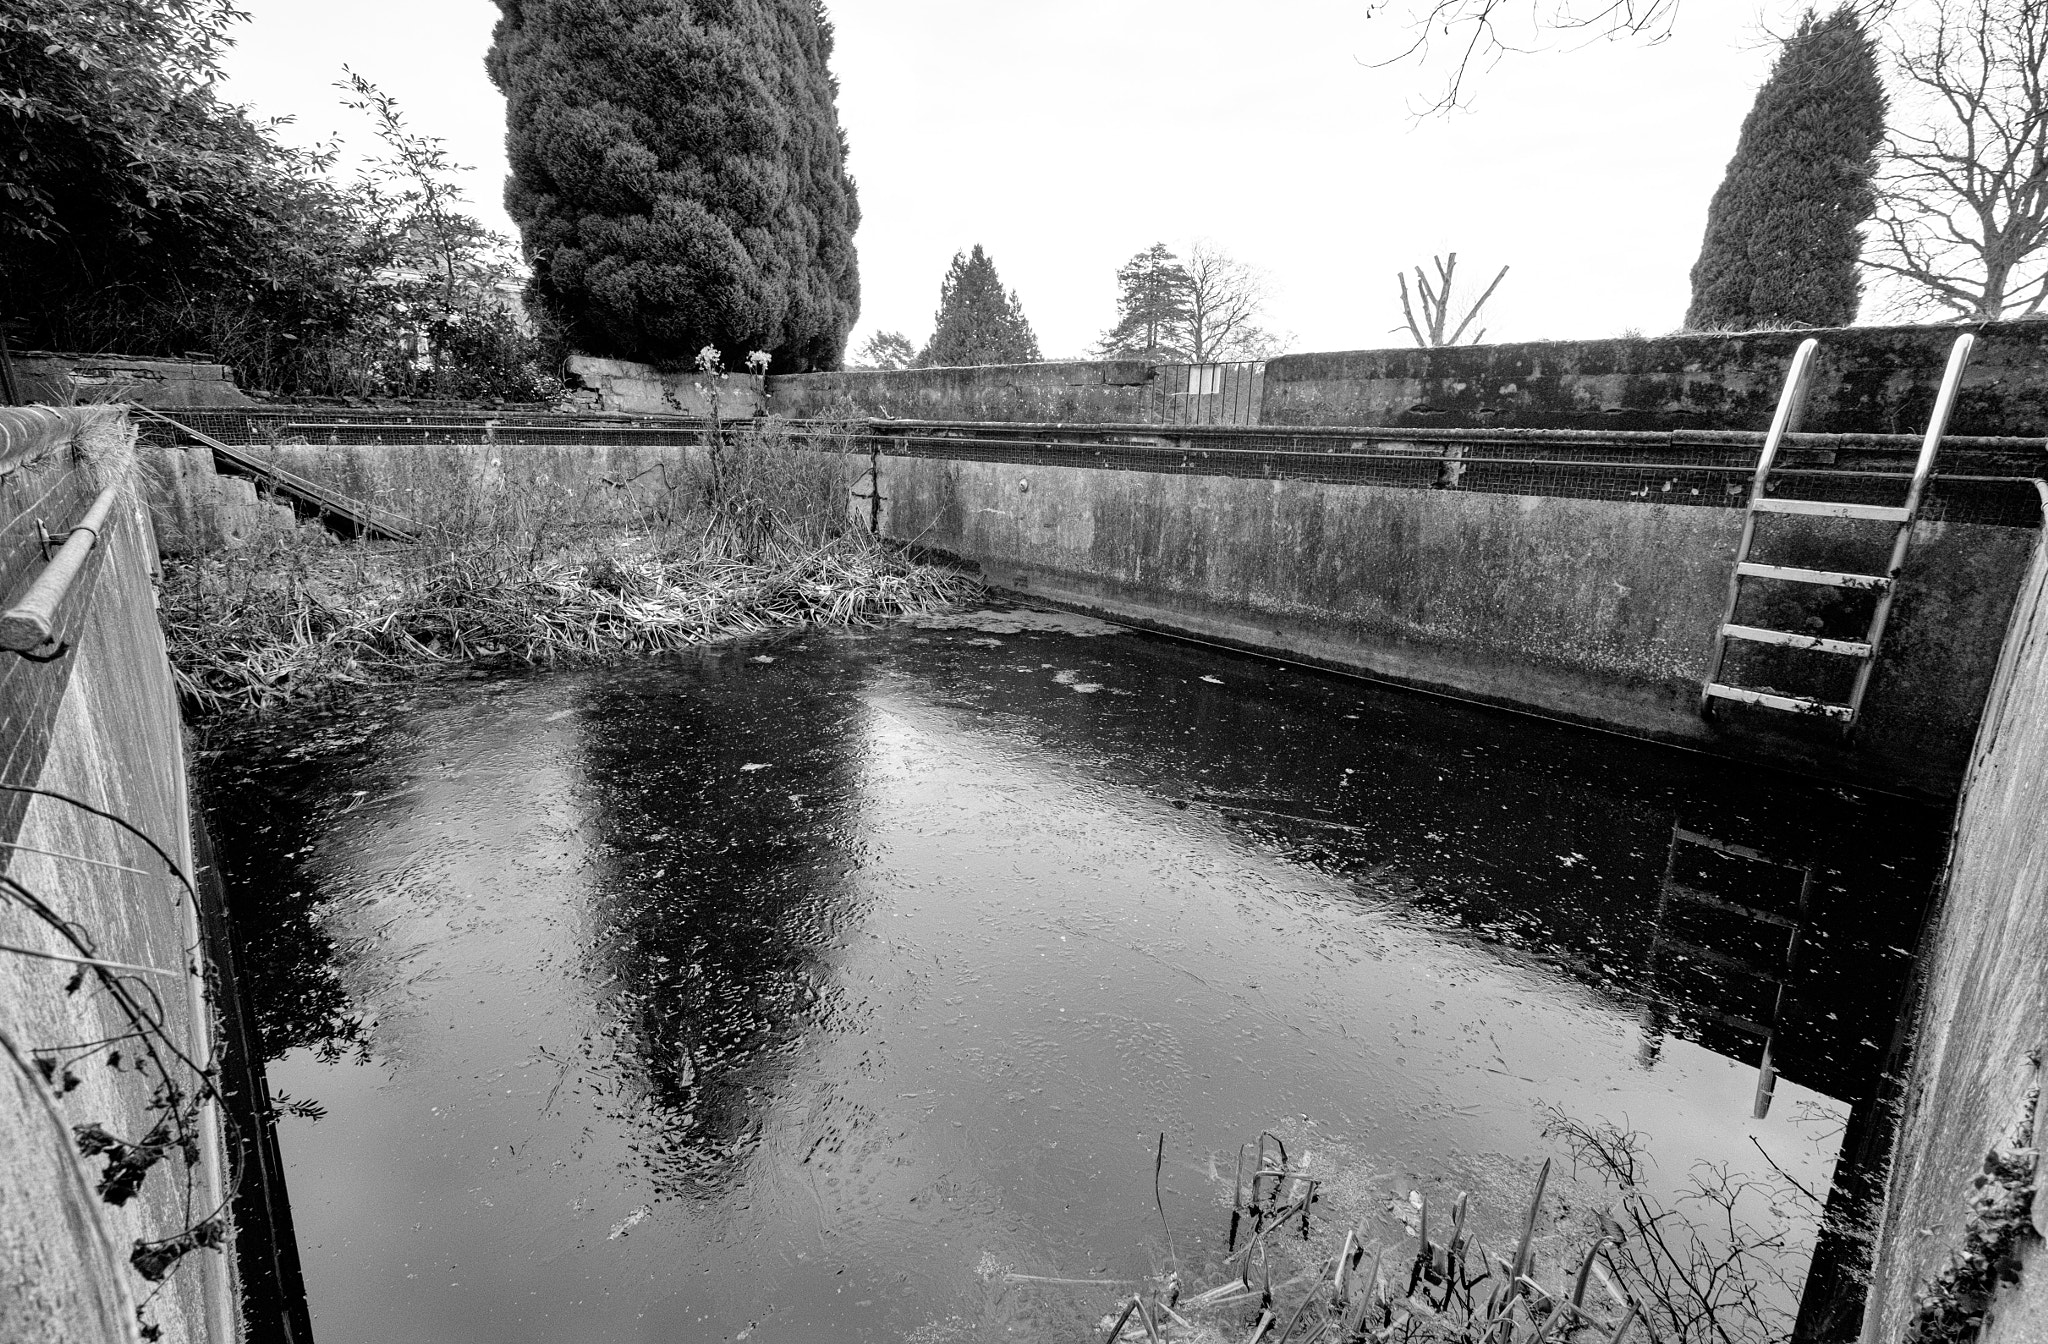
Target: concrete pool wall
column 1599, row 612
column 1975, row 1086
column 97, row 721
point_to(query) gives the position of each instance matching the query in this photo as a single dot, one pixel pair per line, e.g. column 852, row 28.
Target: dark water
column 795, row 991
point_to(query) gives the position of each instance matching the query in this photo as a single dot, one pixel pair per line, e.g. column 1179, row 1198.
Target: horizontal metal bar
column 1826, row 508
column 1747, row 439
column 1790, row 703
column 1729, row 847
column 1814, row 643
column 1698, row 897
column 1742, row 1024
column 31, row 622
column 500, row 427
column 1734, row 963
column 1827, row 577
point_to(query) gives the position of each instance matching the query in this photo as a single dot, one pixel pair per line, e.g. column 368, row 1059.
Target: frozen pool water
column 802, row 988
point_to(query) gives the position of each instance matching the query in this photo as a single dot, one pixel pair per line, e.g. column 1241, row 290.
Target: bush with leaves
column 143, row 214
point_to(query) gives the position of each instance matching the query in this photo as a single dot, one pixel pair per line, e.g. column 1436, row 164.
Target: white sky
column 1065, row 135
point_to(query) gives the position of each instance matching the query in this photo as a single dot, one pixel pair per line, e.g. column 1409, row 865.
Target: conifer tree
column 1782, row 244
column 977, row 322
column 1151, row 309
column 678, row 176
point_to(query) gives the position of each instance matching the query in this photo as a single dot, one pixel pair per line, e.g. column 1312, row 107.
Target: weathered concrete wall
column 534, row 489
column 1081, row 392
column 194, row 508
column 64, row 380
column 438, row 483
column 622, row 385
column 98, row 723
column 1984, row 1010
column 1869, row 380
column 1596, row 611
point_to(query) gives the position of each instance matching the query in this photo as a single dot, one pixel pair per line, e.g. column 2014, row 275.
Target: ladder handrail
column 1791, row 400
column 1937, row 426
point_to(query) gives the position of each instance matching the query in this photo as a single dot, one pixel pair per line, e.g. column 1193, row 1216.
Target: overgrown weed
column 1600, row 1259
column 515, row 568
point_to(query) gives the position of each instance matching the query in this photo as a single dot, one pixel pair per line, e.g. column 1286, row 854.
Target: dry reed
column 247, row 636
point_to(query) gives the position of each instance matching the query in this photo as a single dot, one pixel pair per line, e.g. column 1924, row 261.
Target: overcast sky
column 1065, row 135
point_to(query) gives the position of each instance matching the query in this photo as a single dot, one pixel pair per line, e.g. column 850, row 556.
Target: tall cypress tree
column 977, row 322
column 1782, row 246
column 678, row 175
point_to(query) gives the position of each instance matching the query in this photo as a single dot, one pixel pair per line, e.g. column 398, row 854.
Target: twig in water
column 1158, row 1163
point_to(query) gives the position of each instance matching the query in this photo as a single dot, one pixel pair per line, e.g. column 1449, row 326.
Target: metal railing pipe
column 31, row 623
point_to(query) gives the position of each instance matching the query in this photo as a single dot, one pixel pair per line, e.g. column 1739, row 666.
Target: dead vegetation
column 754, row 535
column 1593, row 1256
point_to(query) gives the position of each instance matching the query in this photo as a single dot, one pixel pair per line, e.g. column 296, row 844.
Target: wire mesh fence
column 1984, row 480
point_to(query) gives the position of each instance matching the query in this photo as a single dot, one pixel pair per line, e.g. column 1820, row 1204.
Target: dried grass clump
column 104, row 444
column 249, row 636
column 1305, row 1262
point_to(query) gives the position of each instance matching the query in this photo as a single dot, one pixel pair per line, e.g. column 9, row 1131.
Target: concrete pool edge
column 1974, row 1088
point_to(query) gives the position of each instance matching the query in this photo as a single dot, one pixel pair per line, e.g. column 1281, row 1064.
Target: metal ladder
column 1777, row 976
column 1885, row 585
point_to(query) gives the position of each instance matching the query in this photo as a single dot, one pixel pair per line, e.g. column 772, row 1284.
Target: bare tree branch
column 1963, row 197
column 1436, row 304
column 1477, row 34
column 1225, row 298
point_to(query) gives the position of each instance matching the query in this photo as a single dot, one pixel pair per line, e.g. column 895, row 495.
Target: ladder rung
column 1825, row 508
column 1741, row 1024
column 1792, row 703
column 1734, row 963
column 1687, row 892
column 1728, row 847
column 1874, row 583
column 1758, row 635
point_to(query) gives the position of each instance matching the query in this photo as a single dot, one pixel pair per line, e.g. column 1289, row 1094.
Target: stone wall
column 1874, row 380
column 622, row 385
column 1080, row 392
column 65, row 380
column 1976, row 1073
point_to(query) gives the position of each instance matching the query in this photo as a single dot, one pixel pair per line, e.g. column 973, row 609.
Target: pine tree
column 977, row 322
column 1782, row 246
column 678, row 176
column 1152, row 309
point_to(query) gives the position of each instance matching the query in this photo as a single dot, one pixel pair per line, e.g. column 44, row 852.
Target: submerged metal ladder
column 1790, row 402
